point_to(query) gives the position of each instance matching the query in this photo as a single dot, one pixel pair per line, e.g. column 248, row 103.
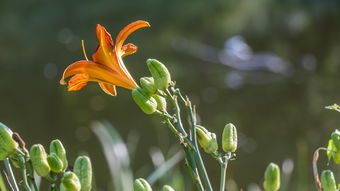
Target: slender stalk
column 31, row 176
column 223, row 176
column 198, row 158
column 2, row 184
column 178, row 123
column 24, row 173
column 11, row 175
column 194, row 176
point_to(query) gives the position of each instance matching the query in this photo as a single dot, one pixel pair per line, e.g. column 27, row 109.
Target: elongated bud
column 39, row 160
column 55, row 163
column 147, row 103
column 272, row 178
column 70, row 182
column 7, row 143
column 83, row 169
column 336, row 139
column 229, row 138
column 159, row 73
column 141, row 185
column 327, row 181
column 161, row 102
column 167, row 188
column 148, row 85
column 206, row 139
column 57, row 147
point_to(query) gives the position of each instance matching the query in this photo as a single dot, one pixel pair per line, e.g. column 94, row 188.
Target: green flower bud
column 148, row 85
column 336, row 139
column 167, row 188
column 57, row 147
column 147, row 103
column 83, row 169
column 336, row 157
column 272, row 178
column 206, row 139
column 327, row 181
column 55, row 163
column 229, row 138
column 161, row 102
column 159, row 73
column 7, row 143
column 70, row 182
column 39, row 160
column 141, row 185
column 3, row 154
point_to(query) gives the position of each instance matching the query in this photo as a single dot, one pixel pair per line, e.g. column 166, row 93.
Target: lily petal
column 98, row 73
column 77, row 82
column 108, row 88
column 104, row 53
column 123, row 34
column 129, row 49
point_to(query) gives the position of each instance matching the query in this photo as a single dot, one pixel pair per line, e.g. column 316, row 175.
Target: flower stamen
column 84, row 51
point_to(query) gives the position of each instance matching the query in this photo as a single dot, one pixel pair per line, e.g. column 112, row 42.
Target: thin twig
column 315, row 168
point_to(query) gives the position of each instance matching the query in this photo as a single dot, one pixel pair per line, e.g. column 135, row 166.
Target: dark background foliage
column 279, row 115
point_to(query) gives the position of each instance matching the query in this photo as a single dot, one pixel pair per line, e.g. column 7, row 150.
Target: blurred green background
column 269, row 67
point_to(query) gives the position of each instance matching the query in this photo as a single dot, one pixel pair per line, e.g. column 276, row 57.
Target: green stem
column 223, row 176
column 11, row 175
column 198, row 158
column 197, row 154
column 194, row 176
column 178, row 123
column 31, row 176
column 24, row 173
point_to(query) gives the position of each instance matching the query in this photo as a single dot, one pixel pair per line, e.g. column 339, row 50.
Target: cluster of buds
column 272, row 178
column 50, row 166
column 328, row 182
column 146, row 96
column 208, row 140
column 56, row 163
column 141, row 184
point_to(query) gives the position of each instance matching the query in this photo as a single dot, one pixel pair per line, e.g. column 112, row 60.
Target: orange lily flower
column 107, row 67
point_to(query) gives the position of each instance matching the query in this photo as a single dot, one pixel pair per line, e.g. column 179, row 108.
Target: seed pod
column 148, row 85
column 141, row 185
column 83, row 169
column 159, row 73
column 272, row 178
column 229, row 138
column 336, row 139
column 161, row 102
column 55, row 163
column 70, row 182
column 57, row 147
column 327, row 181
column 147, row 103
column 206, row 139
column 6, row 141
column 167, row 188
column 39, row 160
